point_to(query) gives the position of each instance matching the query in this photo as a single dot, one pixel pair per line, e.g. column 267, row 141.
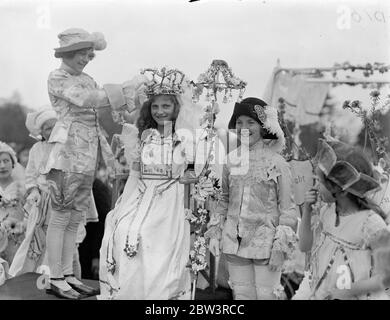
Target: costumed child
column 79, row 148
column 255, row 220
column 348, row 243
column 12, row 226
column 382, row 196
column 146, row 243
column 31, row 253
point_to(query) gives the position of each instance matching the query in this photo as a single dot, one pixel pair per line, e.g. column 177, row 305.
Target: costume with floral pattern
column 349, row 244
column 257, row 205
column 77, row 136
column 11, row 220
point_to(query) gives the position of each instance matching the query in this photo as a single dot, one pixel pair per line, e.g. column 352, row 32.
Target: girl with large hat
column 349, row 243
column 254, row 222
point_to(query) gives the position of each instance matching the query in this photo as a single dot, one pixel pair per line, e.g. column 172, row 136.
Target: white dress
column 338, row 248
column 149, row 220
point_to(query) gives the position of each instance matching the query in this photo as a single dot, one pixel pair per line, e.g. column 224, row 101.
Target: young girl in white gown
column 146, row 243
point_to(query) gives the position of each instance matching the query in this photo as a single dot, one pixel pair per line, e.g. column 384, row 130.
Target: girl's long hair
column 359, row 160
column 145, row 120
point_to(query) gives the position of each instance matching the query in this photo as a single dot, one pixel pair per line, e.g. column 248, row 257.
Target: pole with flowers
column 370, row 119
column 216, row 81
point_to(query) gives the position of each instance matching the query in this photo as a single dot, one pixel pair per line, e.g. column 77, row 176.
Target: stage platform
column 25, row 287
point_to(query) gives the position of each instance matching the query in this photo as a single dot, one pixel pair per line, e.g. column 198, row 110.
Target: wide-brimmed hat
column 340, row 171
column 264, row 114
column 76, row 39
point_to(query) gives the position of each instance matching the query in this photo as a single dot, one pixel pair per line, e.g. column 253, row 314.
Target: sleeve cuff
column 285, row 240
column 213, row 233
column 115, row 95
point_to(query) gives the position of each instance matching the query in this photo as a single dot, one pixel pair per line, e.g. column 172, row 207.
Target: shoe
column 64, row 294
column 84, row 289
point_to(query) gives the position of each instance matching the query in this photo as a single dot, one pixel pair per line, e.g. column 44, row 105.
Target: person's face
column 47, row 128
column 162, row 110
column 253, row 128
column 5, row 165
column 326, row 195
column 80, row 59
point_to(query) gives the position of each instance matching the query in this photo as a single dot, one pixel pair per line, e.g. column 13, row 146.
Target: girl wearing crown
column 146, row 243
column 11, row 209
column 255, row 220
column 348, row 242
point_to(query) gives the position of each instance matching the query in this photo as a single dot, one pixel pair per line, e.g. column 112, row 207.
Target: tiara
column 343, row 173
column 164, row 81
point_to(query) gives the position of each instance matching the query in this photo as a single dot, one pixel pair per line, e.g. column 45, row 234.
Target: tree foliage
column 12, row 125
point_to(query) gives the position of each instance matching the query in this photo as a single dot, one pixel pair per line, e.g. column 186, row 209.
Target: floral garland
column 368, row 69
column 199, row 219
column 209, row 80
column 198, row 253
column 8, row 203
column 11, row 226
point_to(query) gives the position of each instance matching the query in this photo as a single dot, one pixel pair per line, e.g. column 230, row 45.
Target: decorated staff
column 217, row 80
column 371, row 122
column 370, row 119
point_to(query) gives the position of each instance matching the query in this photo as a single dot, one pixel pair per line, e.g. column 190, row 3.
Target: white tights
column 250, row 279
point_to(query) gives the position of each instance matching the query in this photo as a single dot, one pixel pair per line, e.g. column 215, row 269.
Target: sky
column 251, row 35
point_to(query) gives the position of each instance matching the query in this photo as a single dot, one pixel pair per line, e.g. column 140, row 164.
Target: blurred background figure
column 31, row 253
column 23, row 156
column 11, row 210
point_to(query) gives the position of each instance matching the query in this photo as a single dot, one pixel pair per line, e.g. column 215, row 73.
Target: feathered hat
column 76, row 39
column 264, row 114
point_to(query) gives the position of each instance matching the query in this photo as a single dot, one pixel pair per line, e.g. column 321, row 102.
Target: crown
column 164, row 81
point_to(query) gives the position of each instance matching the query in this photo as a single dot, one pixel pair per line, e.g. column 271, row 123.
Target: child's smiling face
column 247, row 126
